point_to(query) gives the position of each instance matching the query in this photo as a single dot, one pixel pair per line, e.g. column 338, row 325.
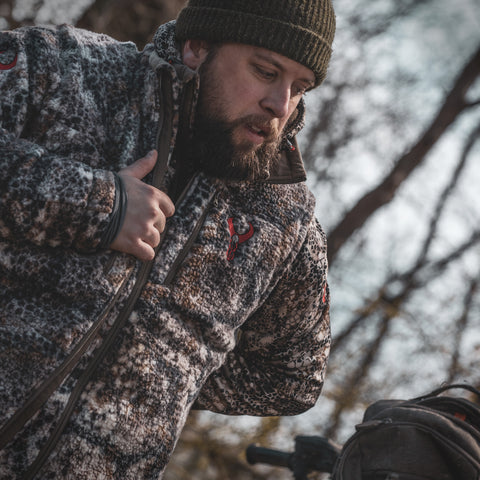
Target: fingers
column 153, row 207
column 141, row 250
column 147, row 211
column 142, row 167
column 165, row 204
column 139, row 236
column 152, row 236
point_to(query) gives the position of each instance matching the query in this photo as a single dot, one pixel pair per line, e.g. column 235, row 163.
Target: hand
column 147, row 211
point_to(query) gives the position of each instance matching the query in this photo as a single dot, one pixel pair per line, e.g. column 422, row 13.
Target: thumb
column 142, row 166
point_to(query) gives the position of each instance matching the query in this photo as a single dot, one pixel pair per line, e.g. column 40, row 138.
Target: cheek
column 243, row 94
column 239, row 103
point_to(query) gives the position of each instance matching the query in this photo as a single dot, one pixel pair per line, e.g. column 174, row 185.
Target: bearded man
column 194, row 277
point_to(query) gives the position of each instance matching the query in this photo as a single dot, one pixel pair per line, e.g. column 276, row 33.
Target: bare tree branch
column 351, row 388
column 6, row 11
column 461, row 325
column 384, row 192
column 437, row 214
column 473, row 104
column 125, row 20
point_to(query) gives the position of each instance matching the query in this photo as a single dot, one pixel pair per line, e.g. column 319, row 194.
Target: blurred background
column 392, row 146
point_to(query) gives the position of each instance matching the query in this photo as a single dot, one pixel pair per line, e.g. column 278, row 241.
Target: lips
column 265, row 132
column 262, row 130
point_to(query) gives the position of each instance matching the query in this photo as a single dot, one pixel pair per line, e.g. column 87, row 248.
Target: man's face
column 247, row 95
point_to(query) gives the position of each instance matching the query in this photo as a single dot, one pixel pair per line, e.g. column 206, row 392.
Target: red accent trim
column 461, row 416
column 230, row 226
column 243, row 237
column 236, row 239
column 8, row 66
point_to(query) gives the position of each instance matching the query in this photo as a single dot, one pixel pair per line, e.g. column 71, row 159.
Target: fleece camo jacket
column 102, row 356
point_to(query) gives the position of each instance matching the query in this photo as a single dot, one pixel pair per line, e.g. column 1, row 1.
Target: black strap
column 444, row 388
column 118, row 213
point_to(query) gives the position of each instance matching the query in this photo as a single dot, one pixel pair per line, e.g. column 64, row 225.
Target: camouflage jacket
column 102, row 356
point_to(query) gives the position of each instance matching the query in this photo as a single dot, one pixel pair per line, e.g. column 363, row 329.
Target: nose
column 277, row 101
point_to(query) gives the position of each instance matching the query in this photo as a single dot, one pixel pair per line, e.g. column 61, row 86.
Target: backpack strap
column 444, row 388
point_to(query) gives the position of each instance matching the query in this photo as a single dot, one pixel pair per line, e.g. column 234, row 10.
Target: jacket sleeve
column 46, row 198
column 278, row 364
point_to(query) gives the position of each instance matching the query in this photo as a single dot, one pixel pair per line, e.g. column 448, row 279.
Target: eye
column 299, row 90
column 267, row 74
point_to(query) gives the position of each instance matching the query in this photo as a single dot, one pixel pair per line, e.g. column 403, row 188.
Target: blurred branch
column 437, row 214
column 461, row 325
column 410, row 278
column 379, row 23
column 453, row 106
column 389, row 306
column 384, row 301
column 205, row 453
column 351, row 388
column 323, row 119
column 473, row 104
column 125, row 20
column 6, row 10
column 471, row 242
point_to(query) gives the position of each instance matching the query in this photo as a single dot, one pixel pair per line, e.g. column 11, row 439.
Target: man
column 126, row 301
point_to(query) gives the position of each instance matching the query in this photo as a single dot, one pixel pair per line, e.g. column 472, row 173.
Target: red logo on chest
column 236, row 239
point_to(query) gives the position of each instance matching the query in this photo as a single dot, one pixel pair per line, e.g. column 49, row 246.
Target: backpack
column 430, row 437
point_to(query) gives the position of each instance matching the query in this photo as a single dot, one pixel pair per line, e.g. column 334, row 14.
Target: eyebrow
column 269, row 59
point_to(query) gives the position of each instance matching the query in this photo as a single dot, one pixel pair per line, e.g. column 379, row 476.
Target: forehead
column 240, row 51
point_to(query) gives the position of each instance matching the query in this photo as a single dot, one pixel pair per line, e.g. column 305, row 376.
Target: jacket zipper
column 184, row 126
column 164, row 135
column 191, row 239
column 163, row 146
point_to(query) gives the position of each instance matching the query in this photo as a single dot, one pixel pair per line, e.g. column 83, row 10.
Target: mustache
column 216, row 125
column 263, row 123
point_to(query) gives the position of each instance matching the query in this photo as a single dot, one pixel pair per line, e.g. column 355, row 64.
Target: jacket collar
column 289, row 168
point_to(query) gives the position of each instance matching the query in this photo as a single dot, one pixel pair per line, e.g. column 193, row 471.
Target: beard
column 213, row 148
column 214, row 152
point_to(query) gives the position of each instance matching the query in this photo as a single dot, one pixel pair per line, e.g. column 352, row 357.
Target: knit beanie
column 301, row 30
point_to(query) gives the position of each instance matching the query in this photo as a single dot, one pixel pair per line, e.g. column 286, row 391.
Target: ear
column 194, row 53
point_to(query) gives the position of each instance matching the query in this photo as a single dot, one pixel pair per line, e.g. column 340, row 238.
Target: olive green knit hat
column 301, row 30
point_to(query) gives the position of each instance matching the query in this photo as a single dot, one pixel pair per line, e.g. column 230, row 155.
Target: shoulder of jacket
column 75, row 42
column 299, row 196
